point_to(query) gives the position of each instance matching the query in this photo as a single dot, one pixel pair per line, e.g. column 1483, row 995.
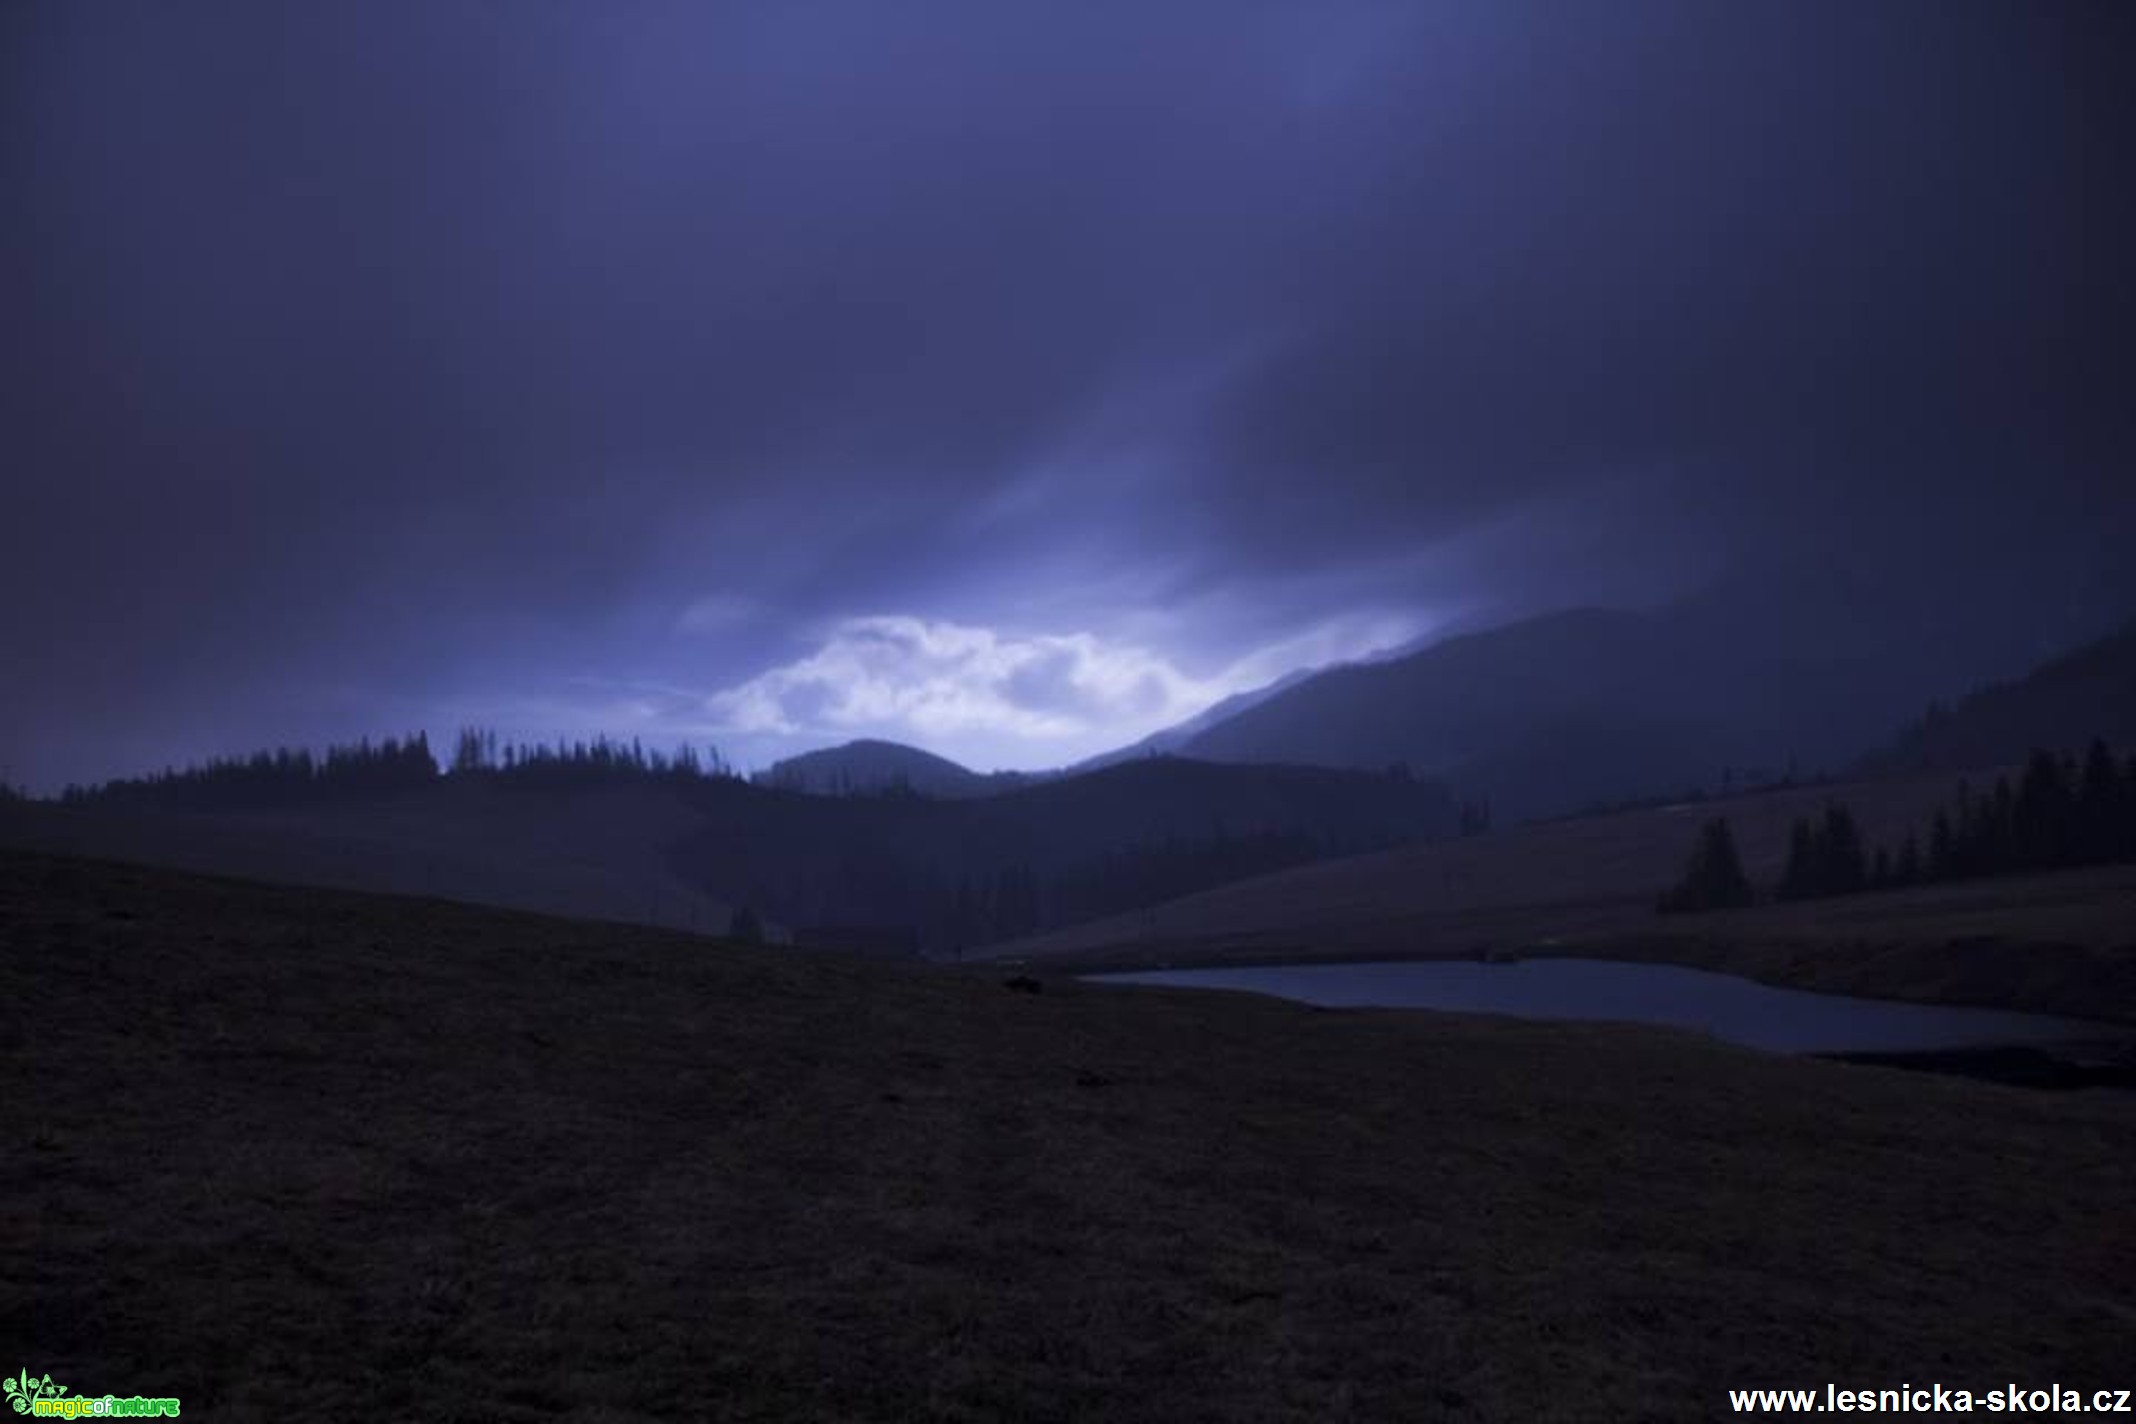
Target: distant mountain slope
column 1167, row 741
column 1438, row 708
column 2061, row 704
column 1754, row 680
column 865, row 766
column 1541, row 716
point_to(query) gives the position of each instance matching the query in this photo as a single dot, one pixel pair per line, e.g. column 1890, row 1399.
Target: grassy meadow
column 269, row 1149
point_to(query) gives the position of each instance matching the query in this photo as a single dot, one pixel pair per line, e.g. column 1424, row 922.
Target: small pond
column 1738, row 1010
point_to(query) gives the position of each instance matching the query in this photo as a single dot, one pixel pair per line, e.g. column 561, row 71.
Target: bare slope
column 2061, row 943
column 598, row 851
column 275, row 1150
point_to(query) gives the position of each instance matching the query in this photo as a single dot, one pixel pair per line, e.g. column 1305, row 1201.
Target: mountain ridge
column 868, row 765
column 2062, row 703
column 1564, row 711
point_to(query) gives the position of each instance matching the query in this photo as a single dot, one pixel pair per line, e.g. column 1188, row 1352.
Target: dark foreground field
column 268, row 1149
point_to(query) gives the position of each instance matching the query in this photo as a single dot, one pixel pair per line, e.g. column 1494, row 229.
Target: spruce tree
column 2098, row 808
column 1842, row 867
column 2041, row 815
column 2125, row 815
column 1713, row 877
column 1907, row 870
column 1942, row 849
column 1799, row 880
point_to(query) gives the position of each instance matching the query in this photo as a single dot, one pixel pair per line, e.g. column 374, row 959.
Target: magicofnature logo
column 26, row 1394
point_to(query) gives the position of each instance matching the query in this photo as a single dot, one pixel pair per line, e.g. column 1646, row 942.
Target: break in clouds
column 1005, row 700
column 943, row 682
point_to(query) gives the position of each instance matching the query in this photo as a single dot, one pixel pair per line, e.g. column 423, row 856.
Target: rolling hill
column 685, row 852
column 966, row 871
column 596, row 852
column 866, row 766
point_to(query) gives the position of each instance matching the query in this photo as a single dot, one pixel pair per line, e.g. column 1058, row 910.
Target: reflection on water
column 1755, row 1015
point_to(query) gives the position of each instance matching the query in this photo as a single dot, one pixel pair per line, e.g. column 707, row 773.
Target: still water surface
column 1739, row 1010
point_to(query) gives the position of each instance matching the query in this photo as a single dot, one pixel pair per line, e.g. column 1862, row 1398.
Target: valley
column 955, row 713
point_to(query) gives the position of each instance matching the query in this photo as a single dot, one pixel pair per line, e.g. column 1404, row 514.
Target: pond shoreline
column 1982, row 971
column 2060, row 942
column 1733, row 1008
column 2015, row 1066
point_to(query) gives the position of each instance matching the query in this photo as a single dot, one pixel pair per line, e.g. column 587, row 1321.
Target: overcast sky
column 1012, row 379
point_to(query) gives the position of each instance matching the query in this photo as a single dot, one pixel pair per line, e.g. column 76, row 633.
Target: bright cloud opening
column 991, row 698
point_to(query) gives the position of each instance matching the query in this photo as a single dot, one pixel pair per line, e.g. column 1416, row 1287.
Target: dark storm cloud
column 1819, row 252
column 367, row 358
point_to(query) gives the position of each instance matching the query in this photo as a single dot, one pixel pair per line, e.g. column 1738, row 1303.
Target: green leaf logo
column 22, row 1389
